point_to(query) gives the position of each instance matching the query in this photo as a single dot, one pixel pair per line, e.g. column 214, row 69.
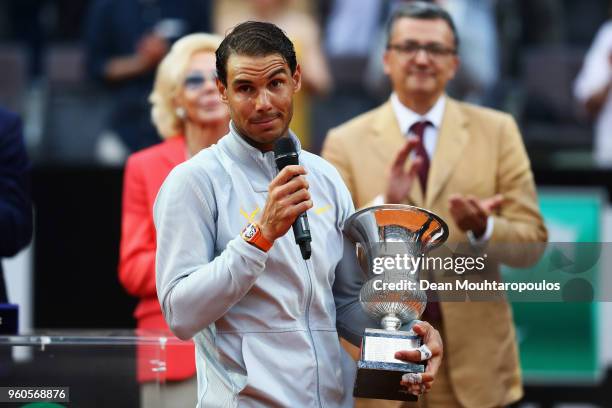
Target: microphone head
column 285, row 153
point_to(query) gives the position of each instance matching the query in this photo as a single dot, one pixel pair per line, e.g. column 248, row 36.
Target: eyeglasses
column 433, row 50
column 197, row 79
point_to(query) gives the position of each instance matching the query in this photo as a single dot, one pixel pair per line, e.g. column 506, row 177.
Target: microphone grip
column 301, row 230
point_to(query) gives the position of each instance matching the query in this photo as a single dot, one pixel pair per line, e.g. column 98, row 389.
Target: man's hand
column 151, row 49
column 470, row 214
column 288, row 197
column 399, row 181
column 421, row 383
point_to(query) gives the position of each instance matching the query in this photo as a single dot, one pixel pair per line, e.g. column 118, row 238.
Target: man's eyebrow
column 242, row 82
column 248, row 81
column 276, row 72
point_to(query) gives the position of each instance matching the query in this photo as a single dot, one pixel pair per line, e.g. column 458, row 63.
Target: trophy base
column 378, row 372
column 382, row 381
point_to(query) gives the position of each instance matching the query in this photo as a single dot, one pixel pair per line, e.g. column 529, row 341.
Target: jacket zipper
column 275, row 172
column 314, row 348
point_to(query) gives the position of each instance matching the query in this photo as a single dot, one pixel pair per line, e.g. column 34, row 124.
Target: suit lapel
column 452, row 140
column 388, row 141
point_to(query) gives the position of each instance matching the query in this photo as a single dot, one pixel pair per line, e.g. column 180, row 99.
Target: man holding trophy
column 468, row 165
column 265, row 313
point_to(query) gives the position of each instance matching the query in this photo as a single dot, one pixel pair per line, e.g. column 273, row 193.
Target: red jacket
column 145, row 172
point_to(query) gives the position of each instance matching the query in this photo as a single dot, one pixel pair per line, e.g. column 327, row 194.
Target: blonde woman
column 189, row 115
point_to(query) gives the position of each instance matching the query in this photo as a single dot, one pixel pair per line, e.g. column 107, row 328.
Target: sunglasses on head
column 196, row 79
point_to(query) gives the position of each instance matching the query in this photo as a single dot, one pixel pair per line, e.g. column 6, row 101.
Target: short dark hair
column 423, row 11
column 254, row 38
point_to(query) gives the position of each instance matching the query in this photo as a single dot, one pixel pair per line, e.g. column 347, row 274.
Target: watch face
column 250, row 231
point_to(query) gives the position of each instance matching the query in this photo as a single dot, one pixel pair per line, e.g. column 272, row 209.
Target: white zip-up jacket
column 265, row 325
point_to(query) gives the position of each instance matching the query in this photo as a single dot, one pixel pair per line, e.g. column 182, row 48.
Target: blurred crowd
column 66, row 60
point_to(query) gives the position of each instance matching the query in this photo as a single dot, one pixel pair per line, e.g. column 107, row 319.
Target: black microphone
column 285, row 154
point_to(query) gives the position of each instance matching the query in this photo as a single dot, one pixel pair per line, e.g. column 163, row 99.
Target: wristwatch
column 252, row 234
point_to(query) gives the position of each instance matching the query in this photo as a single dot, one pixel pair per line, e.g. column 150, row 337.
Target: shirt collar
column 406, row 117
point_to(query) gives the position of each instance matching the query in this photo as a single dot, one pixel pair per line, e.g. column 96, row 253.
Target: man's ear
column 456, row 65
column 297, row 78
column 386, row 68
column 222, row 90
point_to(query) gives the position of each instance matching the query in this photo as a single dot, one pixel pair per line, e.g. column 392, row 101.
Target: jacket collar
column 450, row 149
column 260, row 165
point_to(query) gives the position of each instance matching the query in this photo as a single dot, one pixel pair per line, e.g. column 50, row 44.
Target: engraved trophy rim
column 443, row 225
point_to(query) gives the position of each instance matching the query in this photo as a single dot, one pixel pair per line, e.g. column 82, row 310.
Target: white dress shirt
column 406, row 118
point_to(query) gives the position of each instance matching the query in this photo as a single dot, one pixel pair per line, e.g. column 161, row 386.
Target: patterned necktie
column 418, row 129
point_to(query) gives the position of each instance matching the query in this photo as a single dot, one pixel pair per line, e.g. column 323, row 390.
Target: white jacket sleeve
column 351, row 319
column 196, row 286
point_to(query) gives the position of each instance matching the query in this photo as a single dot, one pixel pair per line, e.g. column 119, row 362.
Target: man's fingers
column 422, row 328
column 427, row 378
column 287, row 174
column 412, row 378
column 425, row 352
column 492, row 203
column 417, row 378
column 413, row 356
column 297, row 197
column 430, row 336
column 487, row 204
column 457, row 204
column 432, row 339
column 281, row 191
column 458, row 207
column 416, row 389
column 464, row 211
column 402, row 155
column 476, row 208
column 408, row 355
column 290, row 214
column 433, row 365
column 415, row 166
column 418, row 355
column 297, row 209
column 420, row 383
column 417, row 383
column 455, row 200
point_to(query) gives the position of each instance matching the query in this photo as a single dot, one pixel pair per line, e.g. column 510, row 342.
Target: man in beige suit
column 467, row 164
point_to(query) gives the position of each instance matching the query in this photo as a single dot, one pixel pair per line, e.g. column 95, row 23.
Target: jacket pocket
column 280, row 370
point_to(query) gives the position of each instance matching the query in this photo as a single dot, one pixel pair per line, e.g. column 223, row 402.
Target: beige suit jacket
column 480, row 152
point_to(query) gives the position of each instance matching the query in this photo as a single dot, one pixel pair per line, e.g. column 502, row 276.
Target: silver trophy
column 391, row 242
